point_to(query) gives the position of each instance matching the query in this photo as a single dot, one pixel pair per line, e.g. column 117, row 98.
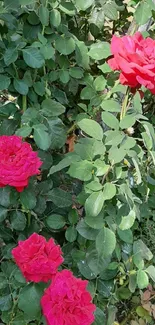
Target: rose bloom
column 134, row 56
column 37, row 258
column 67, row 302
column 17, row 162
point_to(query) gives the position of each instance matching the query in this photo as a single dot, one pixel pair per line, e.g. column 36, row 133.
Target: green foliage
column 95, row 194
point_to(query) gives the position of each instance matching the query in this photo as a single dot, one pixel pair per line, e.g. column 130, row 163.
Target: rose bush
column 134, row 57
column 67, row 301
column 37, row 258
column 77, row 157
column 18, row 162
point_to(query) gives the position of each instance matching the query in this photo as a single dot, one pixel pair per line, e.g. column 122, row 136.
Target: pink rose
column 18, row 162
column 67, row 302
column 134, row 56
column 37, row 258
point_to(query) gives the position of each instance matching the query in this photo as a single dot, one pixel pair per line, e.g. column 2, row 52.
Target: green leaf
column 58, row 133
column 128, row 221
column 10, row 55
column 110, row 10
column 92, row 128
column 142, row 279
column 47, row 51
column 137, row 102
column 5, row 302
column 33, row 57
column 100, row 317
column 41, row 137
column 114, row 138
column 68, row 8
column 64, row 76
column 60, row 198
column 132, row 282
column 52, row 108
column 63, row 164
column 24, row 131
column 96, row 223
column 93, row 186
column 100, row 83
column 73, row 217
column 125, row 235
column 109, row 191
column 26, row 2
column 141, row 251
column 4, row 82
column 55, row 221
column 111, row 105
column 87, row 93
column 97, row 17
column 85, row 270
column 85, row 231
column 29, row 299
column 101, row 167
column 151, row 272
column 104, row 68
column 82, row 57
column 55, row 18
column 87, row 148
column 94, row 204
column 5, row 197
column 105, row 242
column 110, row 120
column 71, row 234
column 83, row 5
column 3, row 281
column 28, row 199
column 39, row 88
column 65, row 45
column 142, row 312
column 147, row 140
column 76, row 72
column 116, row 155
column 18, row 221
column 21, row 86
column 99, row 51
column 105, row 287
column 127, row 121
column 43, row 15
column 123, row 294
column 143, row 13
column 81, row 170
column 3, row 213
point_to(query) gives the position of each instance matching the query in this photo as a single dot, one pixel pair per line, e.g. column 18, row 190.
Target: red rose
column 134, row 56
column 67, row 302
column 38, row 259
column 17, row 162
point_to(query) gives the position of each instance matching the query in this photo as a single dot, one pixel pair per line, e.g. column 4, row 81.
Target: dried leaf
column 146, row 295
column 71, row 142
column 147, row 307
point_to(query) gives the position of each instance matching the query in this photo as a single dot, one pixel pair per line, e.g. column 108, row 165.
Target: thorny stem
column 124, row 104
column 111, row 91
column 29, row 218
column 16, row 72
column 43, row 30
column 106, row 174
column 71, row 129
column 24, row 103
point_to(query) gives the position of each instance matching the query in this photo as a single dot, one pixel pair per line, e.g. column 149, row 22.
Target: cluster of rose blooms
column 67, row 301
